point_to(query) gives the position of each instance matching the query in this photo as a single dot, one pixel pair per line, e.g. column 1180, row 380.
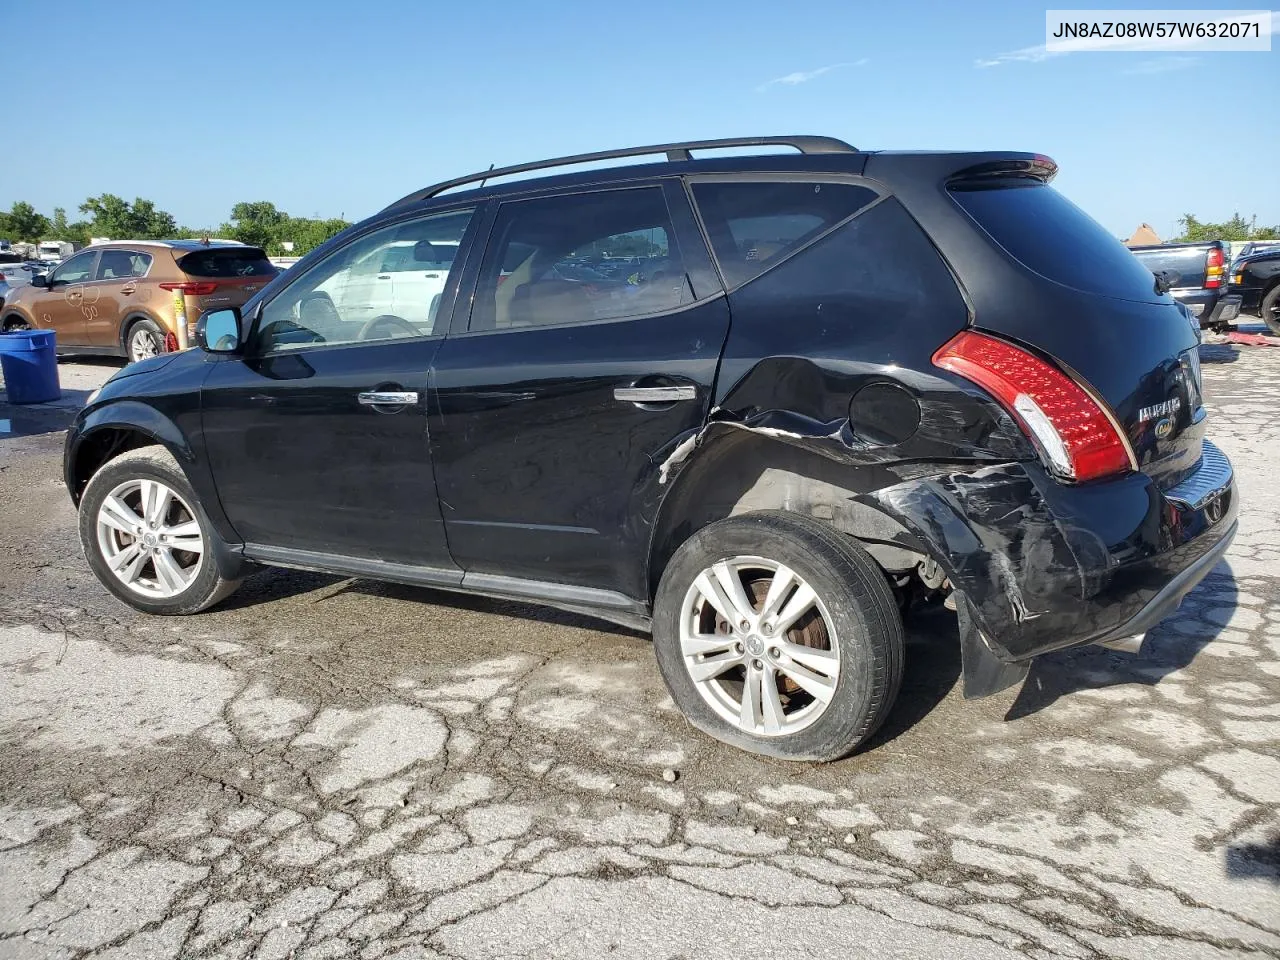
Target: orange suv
column 130, row 298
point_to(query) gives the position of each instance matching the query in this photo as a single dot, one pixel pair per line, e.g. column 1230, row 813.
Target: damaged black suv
column 756, row 404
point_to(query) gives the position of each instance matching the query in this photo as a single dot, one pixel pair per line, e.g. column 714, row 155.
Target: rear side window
column 754, row 224
column 228, row 262
column 1053, row 237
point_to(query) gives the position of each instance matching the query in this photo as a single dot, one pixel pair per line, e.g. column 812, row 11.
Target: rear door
column 556, row 401
column 115, row 293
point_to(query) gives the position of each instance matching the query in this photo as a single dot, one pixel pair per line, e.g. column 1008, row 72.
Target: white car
column 403, row 279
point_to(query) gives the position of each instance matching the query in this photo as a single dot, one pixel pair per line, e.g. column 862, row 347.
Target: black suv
column 759, row 405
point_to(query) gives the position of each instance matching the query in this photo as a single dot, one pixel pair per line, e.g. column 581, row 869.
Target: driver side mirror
column 40, row 280
column 218, row 331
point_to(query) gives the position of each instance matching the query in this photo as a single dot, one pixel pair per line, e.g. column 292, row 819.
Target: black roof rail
column 674, row 151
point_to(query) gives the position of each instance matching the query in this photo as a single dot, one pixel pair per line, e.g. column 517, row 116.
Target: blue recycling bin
column 29, row 360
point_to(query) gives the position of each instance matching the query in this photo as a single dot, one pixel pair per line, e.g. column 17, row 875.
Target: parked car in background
column 1196, row 276
column 56, row 250
column 125, row 298
column 1250, row 247
column 5, row 289
column 854, row 382
column 1256, row 280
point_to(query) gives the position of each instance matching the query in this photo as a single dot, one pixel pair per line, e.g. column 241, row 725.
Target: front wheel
column 1271, row 310
column 145, row 537
column 779, row 635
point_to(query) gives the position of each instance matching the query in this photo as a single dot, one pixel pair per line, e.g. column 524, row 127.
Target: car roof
column 184, row 245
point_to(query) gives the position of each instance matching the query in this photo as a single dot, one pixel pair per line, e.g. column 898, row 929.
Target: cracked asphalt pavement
column 339, row 768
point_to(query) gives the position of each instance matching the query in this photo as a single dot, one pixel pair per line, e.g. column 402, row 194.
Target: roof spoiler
column 1031, row 166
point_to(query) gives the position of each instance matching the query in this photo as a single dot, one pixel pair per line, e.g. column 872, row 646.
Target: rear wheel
column 14, row 321
column 1271, row 310
column 778, row 635
column 146, row 538
column 144, row 339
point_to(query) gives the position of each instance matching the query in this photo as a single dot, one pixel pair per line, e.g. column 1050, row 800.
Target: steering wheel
column 389, row 320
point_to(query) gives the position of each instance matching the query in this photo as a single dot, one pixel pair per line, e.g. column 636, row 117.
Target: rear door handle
column 655, row 394
column 128, row 288
column 384, row 276
column 387, row 398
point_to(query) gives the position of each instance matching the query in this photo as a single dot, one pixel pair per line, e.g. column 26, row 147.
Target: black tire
column 139, row 327
column 1270, row 310
column 206, row 588
column 857, row 599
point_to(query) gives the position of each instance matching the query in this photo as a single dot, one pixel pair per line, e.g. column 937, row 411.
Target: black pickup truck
column 1255, row 279
column 1196, row 275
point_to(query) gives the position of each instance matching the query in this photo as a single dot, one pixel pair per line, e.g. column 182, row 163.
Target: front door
column 590, row 351
column 317, row 435
column 64, row 307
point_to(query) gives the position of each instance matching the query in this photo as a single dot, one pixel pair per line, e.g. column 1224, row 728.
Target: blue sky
column 334, row 108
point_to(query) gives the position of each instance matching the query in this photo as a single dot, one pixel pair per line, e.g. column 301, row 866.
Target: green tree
column 23, row 223
column 115, row 217
column 1237, row 228
column 306, row 234
column 256, row 223
column 60, row 229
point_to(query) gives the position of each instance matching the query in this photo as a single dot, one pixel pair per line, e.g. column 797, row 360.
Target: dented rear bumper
column 1043, row 566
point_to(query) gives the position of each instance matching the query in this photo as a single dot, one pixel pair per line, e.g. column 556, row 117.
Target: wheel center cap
column 149, row 539
column 755, row 645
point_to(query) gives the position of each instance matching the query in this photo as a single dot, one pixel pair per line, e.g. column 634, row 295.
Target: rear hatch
column 221, row 277
column 1100, row 318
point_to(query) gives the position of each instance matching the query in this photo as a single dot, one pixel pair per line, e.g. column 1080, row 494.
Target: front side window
column 354, row 295
column 578, row 259
column 755, row 224
column 75, row 270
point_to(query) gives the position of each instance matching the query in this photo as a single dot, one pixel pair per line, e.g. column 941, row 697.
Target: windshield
column 1050, row 235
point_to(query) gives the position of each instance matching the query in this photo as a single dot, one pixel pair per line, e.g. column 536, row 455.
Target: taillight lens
column 1214, row 268
column 1077, row 439
column 170, row 343
column 192, row 288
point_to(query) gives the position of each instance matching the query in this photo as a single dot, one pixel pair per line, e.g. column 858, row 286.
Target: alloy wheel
column 150, row 538
column 759, row 645
column 142, row 345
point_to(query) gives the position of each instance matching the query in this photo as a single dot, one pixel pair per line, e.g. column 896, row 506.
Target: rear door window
column 123, row 264
column 533, row 271
column 228, row 262
column 755, row 224
column 1051, row 236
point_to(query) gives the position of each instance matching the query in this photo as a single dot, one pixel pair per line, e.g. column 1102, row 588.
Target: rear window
column 233, row 262
column 755, row 224
column 1049, row 234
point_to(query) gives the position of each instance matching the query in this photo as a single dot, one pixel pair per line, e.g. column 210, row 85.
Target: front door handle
column 387, row 398
column 655, row 394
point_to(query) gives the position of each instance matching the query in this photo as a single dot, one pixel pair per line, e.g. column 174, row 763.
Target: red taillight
column 170, row 343
column 192, row 288
column 1214, row 268
column 1078, row 440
